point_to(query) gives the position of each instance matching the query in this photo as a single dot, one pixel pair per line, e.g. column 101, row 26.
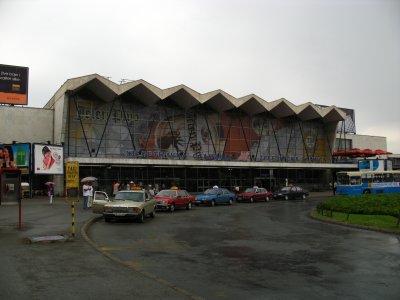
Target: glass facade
column 126, row 128
column 130, row 129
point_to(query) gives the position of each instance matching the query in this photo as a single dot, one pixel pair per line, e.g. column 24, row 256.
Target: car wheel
column 212, row 202
column 141, row 217
column 230, row 202
column 189, row 206
column 172, row 207
column 304, row 196
column 267, row 199
column 251, row 199
column 286, row 197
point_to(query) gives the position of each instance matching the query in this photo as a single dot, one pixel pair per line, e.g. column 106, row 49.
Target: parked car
column 254, row 194
column 172, row 199
column 133, row 204
column 291, row 192
column 215, row 196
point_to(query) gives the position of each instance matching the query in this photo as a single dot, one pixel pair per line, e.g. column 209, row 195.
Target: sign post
column 72, row 186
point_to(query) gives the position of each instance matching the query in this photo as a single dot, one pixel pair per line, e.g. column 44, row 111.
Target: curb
column 336, row 222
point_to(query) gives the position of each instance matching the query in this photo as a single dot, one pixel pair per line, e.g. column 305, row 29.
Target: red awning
column 356, row 152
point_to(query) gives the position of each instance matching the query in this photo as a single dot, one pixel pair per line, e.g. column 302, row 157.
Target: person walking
column 87, row 192
column 116, row 188
column 50, row 193
column 90, row 199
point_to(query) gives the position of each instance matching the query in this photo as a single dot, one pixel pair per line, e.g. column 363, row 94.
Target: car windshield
column 250, row 190
column 211, row 192
column 129, row 196
column 166, row 193
column 286, row 189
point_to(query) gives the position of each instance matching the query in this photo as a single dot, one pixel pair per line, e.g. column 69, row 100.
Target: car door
column 259, row 194
column 149, row 203
column 182, row 198
column 219, row 197
column 99, row 200
column 297, row 192
column 226, row 196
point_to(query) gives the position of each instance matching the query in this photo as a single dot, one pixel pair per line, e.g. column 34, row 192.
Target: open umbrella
column 89, row 178
column 50, row 183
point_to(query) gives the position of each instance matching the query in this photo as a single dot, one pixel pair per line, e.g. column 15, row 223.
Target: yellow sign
column 72, row 174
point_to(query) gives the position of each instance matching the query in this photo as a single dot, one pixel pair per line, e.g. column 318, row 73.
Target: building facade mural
column 130, row 129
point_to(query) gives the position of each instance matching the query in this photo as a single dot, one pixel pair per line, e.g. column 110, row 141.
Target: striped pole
column 73, row 218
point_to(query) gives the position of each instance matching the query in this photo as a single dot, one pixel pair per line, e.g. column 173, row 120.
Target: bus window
column 396, row 177
column 355, row 180
column 343, row 179
column 366, row 178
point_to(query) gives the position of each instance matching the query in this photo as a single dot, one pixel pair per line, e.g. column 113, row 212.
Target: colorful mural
column 122, row 129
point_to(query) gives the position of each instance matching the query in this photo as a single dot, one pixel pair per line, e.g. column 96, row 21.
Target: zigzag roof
column 186, row 98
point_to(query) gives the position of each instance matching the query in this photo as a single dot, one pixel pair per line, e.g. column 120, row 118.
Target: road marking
column 146, row 247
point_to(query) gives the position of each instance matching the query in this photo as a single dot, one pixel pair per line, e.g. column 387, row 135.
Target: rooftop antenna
column 124, row 80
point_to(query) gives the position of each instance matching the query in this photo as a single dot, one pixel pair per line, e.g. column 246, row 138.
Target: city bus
column 367, row 182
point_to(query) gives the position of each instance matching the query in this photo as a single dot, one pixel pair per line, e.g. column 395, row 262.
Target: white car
column 133, row 204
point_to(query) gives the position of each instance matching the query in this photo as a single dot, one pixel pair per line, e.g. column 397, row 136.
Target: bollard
column 73, row 219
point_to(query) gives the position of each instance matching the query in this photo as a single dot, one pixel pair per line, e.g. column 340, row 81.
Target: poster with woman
column 48, row 159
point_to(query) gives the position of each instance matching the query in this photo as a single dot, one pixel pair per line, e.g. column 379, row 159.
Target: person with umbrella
column 87, row 192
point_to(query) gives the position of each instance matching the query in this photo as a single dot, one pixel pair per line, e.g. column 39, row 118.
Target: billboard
column 13, row 85
column 16, row 155
column 48, row 159
column 372, row 165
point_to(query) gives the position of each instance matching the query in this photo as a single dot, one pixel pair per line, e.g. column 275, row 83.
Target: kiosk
column 10, row 185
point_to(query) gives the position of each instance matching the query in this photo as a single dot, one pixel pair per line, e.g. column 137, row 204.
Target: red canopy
column 356, row 152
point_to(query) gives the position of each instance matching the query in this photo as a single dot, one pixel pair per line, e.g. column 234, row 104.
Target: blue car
column 215, row 196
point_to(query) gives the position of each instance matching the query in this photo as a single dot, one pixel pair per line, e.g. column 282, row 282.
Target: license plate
column 119, row 214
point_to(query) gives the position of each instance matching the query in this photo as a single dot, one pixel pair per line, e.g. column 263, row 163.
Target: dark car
column 254, row 194
column 291, row 192
column 171, row 199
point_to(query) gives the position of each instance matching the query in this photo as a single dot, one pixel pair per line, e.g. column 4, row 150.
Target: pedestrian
column 90, row 199
column 50, row 193
column 87, row 192
column 115, row 188
column 151, row 190
column 237, row 189
column 334, row 188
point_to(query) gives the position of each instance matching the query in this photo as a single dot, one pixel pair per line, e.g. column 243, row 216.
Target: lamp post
column 230, row 178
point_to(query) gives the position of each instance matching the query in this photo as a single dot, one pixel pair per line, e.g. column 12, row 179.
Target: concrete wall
column 26, row 124
column 366, row 141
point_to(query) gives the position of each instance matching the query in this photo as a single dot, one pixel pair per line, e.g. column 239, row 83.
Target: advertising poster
column 14, row 85
column 48, row 159
column 371, row 165
column 15, row 155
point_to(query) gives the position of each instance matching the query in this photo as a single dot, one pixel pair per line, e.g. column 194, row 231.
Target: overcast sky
column 331, row 52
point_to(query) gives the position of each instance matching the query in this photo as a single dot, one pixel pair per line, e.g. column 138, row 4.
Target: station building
column 176, row 136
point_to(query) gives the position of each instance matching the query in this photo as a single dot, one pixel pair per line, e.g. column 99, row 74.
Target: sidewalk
column 40, row 218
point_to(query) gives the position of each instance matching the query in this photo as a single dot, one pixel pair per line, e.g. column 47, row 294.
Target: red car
column 254, row 194
column 172, row 199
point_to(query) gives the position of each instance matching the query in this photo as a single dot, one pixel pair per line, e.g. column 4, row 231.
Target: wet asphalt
column 262, row 250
